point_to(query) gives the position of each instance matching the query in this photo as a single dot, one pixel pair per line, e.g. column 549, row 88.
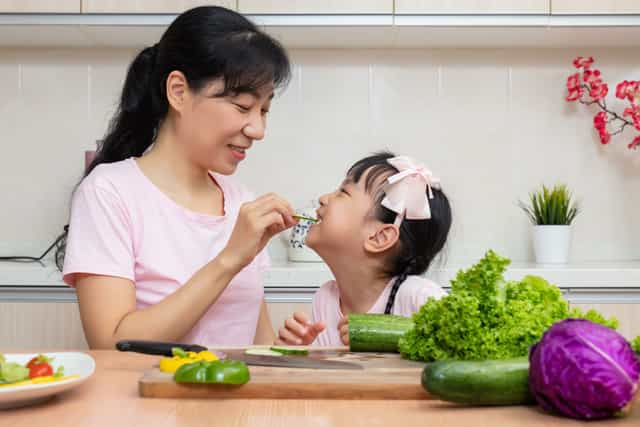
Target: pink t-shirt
column 413, row 293
column 122, row 225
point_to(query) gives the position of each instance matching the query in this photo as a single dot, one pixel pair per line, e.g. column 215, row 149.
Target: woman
column 163, row 244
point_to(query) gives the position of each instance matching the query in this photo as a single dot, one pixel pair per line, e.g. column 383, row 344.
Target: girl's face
column 217, row 132
column 345, row 220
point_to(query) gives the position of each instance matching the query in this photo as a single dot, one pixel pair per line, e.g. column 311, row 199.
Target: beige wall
column 491, row 123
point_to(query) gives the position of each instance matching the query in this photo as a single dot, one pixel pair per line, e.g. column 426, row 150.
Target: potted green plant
column 551, row 210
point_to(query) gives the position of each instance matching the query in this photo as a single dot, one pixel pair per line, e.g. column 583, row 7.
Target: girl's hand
column 298, row 330
column 258, row 221
column 343, row 328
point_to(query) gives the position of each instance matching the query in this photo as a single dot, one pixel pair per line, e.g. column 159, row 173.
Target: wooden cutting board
column 385, row 376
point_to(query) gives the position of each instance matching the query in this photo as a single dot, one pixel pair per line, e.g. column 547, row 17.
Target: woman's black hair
column 420, row 240
column 204, row 43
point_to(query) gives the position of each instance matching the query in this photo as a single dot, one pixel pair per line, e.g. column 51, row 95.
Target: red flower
column 590, row 76
column 582, row 62
column 634, row 113
column 598, row 90
column 574, row 87
column 622, row 89
column 600, row 121
column 628, row 90
column 606, row 119
column 605, row 137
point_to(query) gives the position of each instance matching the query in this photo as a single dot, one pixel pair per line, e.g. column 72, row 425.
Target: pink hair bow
column 406, row 191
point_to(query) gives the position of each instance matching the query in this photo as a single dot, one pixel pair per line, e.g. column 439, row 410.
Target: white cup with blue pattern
column 297, row 250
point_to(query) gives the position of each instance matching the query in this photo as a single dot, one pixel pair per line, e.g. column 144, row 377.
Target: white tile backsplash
column 492, row 123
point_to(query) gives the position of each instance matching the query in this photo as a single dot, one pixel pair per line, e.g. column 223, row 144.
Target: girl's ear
column 382, row 238
column 177, row 90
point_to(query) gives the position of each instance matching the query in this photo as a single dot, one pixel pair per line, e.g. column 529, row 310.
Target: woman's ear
column 177, row 90
column 382, row 238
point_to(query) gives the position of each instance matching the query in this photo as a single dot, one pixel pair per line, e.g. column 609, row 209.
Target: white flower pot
column 551, row 243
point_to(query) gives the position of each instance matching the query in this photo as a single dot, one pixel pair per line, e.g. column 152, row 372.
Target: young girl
column 377, row 233
column 163, row 243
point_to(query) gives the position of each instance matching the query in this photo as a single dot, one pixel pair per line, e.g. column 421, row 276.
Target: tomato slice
column 40, row 370
column 40, row 366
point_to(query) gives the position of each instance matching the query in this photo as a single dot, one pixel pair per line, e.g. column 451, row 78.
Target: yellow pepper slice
column 171, row 364
column 207, row 356
column 40, row 380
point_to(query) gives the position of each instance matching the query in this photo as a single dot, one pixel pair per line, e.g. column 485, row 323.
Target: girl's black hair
column 204, row 43
column 420, row 240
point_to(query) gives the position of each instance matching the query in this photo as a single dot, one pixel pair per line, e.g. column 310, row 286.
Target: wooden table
column 110, row 398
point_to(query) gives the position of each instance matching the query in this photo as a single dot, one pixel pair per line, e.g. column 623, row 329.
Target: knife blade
column 304, row 362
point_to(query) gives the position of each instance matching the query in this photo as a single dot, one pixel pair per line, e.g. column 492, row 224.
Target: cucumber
column 377, row 332
column 489, row 382
column 291, row 350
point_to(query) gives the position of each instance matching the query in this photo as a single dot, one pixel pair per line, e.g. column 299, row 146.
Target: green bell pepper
column 215, row 372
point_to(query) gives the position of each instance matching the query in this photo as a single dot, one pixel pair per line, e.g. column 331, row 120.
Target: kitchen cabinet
column 40, row 6
column 40, row 325
column 315, row 6
column 57, row 325
column 472, row 7
column 149, row 6
column 627, row 314
column 583, row 7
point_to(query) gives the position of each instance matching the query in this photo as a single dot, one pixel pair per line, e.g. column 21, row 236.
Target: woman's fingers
column 258, row 221
column 272, row 202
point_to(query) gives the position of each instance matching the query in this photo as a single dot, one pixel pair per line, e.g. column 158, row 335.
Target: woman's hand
column 258, row 221
column 298, row 330
column 343, row 328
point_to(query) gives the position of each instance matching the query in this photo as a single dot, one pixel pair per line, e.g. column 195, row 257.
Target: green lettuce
column 12, row 372
column 487, row 317
column 636, row 345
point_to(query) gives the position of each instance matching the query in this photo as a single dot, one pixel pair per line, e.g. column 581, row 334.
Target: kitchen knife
column 156, row 347
column 304, row 362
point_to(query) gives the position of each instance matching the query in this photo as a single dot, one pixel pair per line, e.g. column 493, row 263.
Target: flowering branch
column 589, row 82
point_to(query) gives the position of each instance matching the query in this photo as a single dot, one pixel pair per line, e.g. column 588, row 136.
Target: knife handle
column 155, row 347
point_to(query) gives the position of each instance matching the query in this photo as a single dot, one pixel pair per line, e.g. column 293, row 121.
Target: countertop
column 110, row 397
column 282, row 274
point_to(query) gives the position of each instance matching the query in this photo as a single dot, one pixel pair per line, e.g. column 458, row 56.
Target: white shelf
column 505, row 20
column 337, row 31
column 589, row 276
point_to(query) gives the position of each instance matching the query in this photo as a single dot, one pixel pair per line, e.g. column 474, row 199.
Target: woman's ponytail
column 133, row 127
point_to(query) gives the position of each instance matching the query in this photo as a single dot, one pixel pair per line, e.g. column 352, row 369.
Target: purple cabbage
column 583, row 370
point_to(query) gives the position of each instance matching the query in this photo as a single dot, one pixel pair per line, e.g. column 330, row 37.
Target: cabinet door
column 40, row 6
column 149, row 6
column 627, row 314
column 472, row 6
column 584, row 7
column 315, row 6
column 280, row 311
column 41, row 326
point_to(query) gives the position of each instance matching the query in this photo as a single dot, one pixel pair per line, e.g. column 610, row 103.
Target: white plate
column 74, row 364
